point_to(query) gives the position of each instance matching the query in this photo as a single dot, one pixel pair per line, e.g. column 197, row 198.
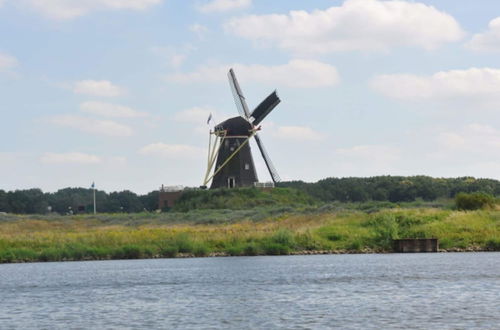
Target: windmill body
column 231, row 153
column 240, row 170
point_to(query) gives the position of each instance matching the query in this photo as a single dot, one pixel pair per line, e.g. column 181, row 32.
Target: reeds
column 23, row 239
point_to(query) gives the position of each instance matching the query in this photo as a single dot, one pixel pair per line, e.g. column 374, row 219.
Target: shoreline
column 294, row 253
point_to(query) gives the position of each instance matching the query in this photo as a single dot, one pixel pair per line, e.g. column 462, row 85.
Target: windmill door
column 231, row 182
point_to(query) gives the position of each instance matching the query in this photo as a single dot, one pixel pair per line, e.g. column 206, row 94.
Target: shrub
column 200, row 250
column 6, row 256
column 307, row 241
column 169, row 251
column 235, row 250
column 184, row 243
column 272, row 248
column 386, row 229
column 251, row 249
column 50, row 254
column 283, row 237
column 474, row 201
column 493, row 244
column 128, row 252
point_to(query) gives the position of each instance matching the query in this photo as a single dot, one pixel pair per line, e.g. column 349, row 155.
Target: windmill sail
column 267, row 160
column 265, row 107
column 239, row 99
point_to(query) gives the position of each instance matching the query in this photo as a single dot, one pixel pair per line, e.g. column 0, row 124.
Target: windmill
column 229, row 150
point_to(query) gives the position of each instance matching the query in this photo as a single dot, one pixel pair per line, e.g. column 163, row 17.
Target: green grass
column 275, row 231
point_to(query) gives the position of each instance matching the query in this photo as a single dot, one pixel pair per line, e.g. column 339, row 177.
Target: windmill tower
column 230, row 149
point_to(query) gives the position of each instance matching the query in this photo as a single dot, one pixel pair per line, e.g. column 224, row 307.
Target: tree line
column 380, row 188
column 393, row 188
column 75, row 200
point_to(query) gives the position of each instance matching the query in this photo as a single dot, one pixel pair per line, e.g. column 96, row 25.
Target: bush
column 251, row 249
column 275, row 249
column 235, row 250
column 493, row 244
column 169, row 251
column 6, row 256
column 184, row 243
column 386, row 229
column 474, row 201
column 50, row 254
column 283, row 237
column 200, row 250
column 128, row 252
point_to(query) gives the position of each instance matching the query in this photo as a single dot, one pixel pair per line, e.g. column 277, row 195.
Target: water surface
column 445, row 291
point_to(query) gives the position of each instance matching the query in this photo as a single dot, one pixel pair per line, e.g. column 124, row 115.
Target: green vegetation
column 350, row 215
column 474, row 201
column 377, row 190
column 242, row 198
column 306, row 229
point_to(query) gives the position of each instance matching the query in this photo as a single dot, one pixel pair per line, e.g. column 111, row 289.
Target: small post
column 93, row 190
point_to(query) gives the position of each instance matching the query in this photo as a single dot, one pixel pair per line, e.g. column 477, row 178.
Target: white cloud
column 92, row 126
column 482, row 84
column 355, row 25
column 296, row 73
column 110, row 110
column 70, row 9
column 7, row 62
column 488, row 41
column 199, row 30
column 469, row 150
column 175, row 56
column 474, row 138
column 173, row 151
column 69, row 158
column 97, row 88
column 224, row 5
column 301, row 133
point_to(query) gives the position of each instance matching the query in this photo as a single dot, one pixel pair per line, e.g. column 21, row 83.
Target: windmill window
column 247, row 166
column 226, row 143
column 231, row 182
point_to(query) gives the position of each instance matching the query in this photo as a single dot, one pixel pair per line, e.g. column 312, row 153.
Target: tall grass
column 104, row 237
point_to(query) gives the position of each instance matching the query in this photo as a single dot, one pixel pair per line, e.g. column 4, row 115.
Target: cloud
column 481, row 84
column 92, row 126
column 356, row 25
column 173, row 151
column 298, row 133
column 97, row 88
column 110, row 110
column 223, row 5
column 7, row 62
column 70, row 9
column 69, row 158
column 488, row 41
column 473, row 138
column 199, row 30
column 468, row 150
column 175, row 56
column 296, row 73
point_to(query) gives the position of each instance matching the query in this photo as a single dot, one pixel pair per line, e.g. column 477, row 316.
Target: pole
column 94, row 201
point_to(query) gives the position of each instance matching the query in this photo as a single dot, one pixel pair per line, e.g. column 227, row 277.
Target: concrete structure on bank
column 408, row 245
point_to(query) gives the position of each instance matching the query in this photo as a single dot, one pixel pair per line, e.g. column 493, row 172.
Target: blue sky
column 118, row 91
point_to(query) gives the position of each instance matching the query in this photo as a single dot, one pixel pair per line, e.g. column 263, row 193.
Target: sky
column 118, row 92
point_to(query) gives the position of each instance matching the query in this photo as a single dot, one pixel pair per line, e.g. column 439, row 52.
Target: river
column 374, row 291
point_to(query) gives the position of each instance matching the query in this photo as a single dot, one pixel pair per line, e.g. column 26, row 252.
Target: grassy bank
column 257, row 232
